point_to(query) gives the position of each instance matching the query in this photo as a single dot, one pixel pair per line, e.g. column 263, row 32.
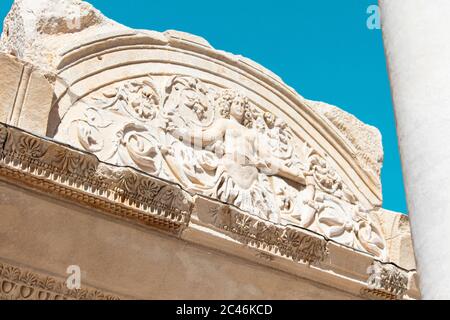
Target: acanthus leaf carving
column 191, row 94
column 139, row 147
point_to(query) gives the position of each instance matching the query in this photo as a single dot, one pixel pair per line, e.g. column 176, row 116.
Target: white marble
column 417, row 40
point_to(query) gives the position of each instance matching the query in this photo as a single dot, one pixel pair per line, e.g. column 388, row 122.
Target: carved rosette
column 20, row 284
column 217, row 143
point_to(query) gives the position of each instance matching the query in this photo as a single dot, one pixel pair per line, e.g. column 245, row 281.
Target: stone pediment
column 164, row 130
column 129, row 97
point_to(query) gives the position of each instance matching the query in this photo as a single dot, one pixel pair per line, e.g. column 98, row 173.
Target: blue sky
column 322, row 48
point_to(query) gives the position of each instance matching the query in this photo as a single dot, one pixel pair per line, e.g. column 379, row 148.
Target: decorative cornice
column 17, row 283
column 294, row 243
column 386, row 282
column 79, row 177
column 73, row 175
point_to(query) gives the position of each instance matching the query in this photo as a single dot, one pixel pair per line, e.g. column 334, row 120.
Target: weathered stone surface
column 35, row 29
column 26, row 95
column 56, row 234
column 129, row 97
column 166, row 132
column 134, row 263
column 365, row 139
column 397, row 230
column 10, row 75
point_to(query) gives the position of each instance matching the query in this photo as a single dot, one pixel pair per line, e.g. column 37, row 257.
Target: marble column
column 417, row 42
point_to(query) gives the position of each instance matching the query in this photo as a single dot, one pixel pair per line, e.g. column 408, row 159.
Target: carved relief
column 350, row 225
column 263, row 235
column 218, row 143
column 138, row 147
column 138, row 99
column 187, row 93
column 3, row 137
column 386, row 281
column 145, row 148
column 82, row 177
column 19, row 284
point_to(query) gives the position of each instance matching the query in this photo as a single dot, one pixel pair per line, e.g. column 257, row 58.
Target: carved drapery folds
column 217, row 143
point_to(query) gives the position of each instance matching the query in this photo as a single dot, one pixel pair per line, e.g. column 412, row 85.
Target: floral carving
column 148, row 189
column 288, row 242
column 72, row 162
column 138, row 197
column 337, row 223
column 82, row 177
column 325, row 177
column 30, row 147
column 371, row 238
column 126, row 181
column 388, row 279
column 138, row 98
column 138, row 146
column 20, row 284
column 350, row 225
